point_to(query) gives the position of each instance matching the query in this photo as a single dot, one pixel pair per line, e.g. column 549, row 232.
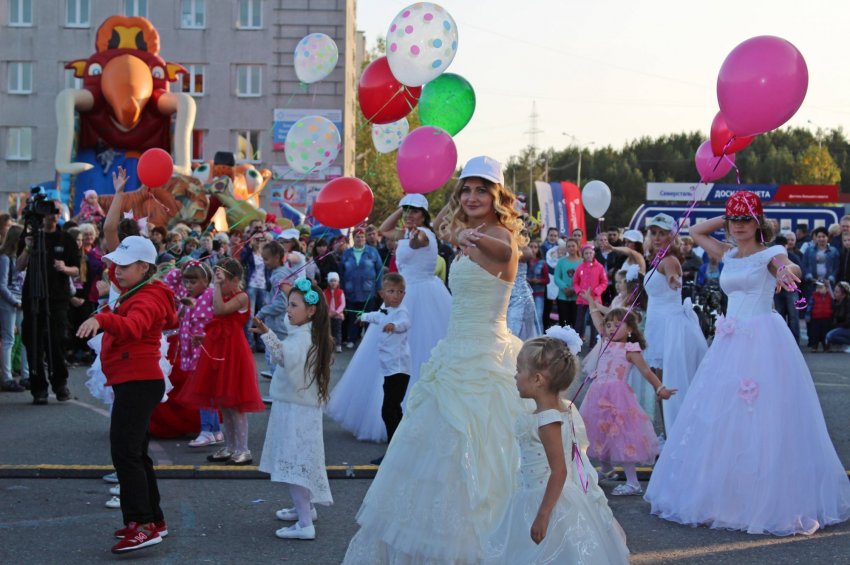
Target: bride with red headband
column 750, row 450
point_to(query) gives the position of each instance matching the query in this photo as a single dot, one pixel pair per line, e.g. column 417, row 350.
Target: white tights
column 301, row 500
column 235, row 430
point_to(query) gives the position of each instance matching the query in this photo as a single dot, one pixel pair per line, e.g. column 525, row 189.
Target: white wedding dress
column 452, row 464
column 355, row 401
column 750, row 450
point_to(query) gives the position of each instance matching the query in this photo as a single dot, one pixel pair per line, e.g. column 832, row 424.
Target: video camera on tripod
column 38, row 206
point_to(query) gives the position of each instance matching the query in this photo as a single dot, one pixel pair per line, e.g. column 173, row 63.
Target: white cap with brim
column 414, row 201
column 662, row 221
column 291, row 233
column 634, row 236
column 483, row 167
column 332, row 276
column 131, row 249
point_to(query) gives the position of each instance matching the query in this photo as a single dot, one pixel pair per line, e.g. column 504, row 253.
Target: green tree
column 816, row 166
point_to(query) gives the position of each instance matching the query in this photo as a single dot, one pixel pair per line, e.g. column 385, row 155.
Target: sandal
column 627, row 490
column 204, row 439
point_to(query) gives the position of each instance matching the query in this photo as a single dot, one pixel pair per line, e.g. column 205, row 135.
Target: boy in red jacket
column 819, row 316
column 589, row 275
column 130, row 358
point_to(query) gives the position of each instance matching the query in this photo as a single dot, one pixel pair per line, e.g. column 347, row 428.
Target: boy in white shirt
column 393, row 350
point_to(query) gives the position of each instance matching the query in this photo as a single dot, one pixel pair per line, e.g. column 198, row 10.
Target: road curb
column 47, row 471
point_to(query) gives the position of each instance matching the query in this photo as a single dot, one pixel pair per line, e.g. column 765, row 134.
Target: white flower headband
column 568, row 336
column 632, row 273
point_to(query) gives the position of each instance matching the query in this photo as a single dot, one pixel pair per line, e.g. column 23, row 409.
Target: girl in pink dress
column 618, row 429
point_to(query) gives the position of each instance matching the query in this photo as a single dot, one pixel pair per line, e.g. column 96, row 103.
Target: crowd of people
column 448, row 316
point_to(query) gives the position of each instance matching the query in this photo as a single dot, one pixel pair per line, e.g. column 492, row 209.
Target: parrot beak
column 127, row 85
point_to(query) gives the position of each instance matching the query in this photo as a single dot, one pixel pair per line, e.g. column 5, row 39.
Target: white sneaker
column 111, row 478
column 297, row 532
column 115, row 491
column 338, row 349
column 290, row 515
column 113, row 502
column 204, row 439
column 349, row 345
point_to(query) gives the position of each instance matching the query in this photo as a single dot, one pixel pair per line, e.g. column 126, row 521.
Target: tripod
column 39, row 300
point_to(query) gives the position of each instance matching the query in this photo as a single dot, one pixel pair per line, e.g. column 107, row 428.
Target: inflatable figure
column 124, row 108
column 240, row 213
column 181, row 199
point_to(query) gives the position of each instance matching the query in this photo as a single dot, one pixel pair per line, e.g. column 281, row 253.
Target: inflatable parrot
column 124, row 108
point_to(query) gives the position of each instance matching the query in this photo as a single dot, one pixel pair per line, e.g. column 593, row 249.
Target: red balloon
column 721, row 135
column 155, row 167
column 343, row 202
column 383, row 99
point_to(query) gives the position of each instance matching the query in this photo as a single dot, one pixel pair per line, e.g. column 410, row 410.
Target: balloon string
column 370, row 120
column 371, row 292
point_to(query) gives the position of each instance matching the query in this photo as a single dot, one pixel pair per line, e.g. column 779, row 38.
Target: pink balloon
column 761, row 84
column 426, row 160
column 709, row 167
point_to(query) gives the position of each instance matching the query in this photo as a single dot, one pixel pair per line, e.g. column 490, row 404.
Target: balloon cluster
column 761, row 84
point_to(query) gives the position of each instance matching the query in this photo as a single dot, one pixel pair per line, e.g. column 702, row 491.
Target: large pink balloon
column 709, row 167
column 426, row 160
column 761, row 84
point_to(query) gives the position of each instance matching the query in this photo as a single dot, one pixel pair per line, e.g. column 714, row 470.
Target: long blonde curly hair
column 503, row 204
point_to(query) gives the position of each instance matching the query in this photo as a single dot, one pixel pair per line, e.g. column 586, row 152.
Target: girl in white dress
column 675, row 345
column 448, row 471
column 294, row 450
column 356, row 399
column 750, row 450
column 559, row 515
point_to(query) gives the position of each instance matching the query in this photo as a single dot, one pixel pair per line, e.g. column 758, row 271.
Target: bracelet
column 659, row 389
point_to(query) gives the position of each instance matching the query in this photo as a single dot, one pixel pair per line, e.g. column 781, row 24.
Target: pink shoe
column 219, row 437
column 204, row 439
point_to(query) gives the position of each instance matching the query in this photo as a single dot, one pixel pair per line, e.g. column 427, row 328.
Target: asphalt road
column 230, row 520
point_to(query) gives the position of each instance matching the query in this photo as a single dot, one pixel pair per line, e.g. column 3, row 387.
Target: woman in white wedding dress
column 451, row 466
column 750, row 450
column 356, row 399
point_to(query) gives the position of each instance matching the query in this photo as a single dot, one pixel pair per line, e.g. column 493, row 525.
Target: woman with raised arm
column 750, row 450
column 450, row 468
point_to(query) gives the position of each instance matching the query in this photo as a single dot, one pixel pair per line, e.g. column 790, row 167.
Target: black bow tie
column 383, row 310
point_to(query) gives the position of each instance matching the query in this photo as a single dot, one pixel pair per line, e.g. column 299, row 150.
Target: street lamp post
column 580, row 150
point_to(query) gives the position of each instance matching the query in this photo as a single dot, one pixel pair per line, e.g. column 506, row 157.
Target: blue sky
column 610, row 71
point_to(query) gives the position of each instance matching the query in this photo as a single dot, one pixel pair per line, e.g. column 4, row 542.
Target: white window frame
column 77, row 6
column 15, row 78
column 254, row 10
column 195, row 7
column 72, row 81
column 203, row 135
column 20, row 22
column 249, row 71
column 257, row 152
column 136, row 8
column 193, row 71
column 15, row 146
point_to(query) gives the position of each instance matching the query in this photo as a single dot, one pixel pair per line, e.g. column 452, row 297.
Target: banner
column 285, row 118
column 547, row 206
column 560, row 208
column 574, row 208
column 717, row 192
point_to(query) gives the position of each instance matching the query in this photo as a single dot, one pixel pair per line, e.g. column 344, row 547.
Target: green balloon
column 447, row 102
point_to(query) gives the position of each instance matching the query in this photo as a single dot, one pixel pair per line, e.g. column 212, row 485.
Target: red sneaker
column 161, row 529
column 143, row 536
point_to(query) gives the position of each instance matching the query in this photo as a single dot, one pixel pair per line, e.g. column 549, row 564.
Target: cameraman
column 61, row 260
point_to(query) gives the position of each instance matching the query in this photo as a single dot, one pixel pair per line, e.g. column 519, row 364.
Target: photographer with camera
column 49, row 256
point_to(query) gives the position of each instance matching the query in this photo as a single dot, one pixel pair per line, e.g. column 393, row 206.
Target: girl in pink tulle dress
column 618, row 429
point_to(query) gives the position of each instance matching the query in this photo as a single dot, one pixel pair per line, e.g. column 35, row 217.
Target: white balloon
column 596, row 197
column 387, row 137
column 315, row 57
column 421, row 43
column 312, row 144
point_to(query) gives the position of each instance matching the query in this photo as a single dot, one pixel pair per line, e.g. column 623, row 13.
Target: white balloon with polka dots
column 421, row 43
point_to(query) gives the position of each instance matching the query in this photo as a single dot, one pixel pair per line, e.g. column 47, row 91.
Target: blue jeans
column 785, row 304
column 258, row 297
column 838, row 336
column 539, row 302
column 7, row 331
column 209, row 421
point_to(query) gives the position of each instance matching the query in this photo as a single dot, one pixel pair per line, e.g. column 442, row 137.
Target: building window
column 20, row 13
column 71, row 81
column 250, row 14
column 193, row 14
column 136, row 8
column 20, row 78
column 248, row 145
column 193, row 81
column 77, row 13
column 19, row 144
column 197, row 145
column 248, row 79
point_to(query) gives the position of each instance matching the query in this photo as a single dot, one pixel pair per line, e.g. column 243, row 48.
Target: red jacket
column 821, row 306
column 132, row 333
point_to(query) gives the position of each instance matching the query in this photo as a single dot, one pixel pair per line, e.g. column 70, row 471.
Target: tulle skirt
column 618, row 430
column 750, row 449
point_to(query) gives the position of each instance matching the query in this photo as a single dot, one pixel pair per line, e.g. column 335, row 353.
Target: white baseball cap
column 483, row 167
column 332, row 276
column 634, row 236
column 414, row 201
column 663, row 221
column 131, row 249
column 291, row 233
